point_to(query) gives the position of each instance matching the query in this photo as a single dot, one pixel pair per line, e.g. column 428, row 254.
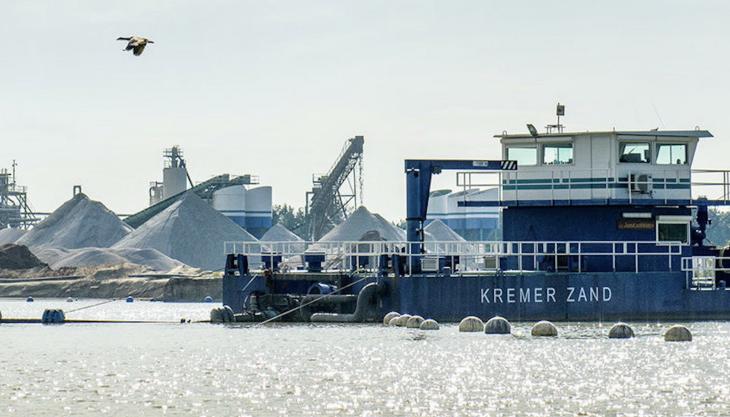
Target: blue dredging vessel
column 595, row 226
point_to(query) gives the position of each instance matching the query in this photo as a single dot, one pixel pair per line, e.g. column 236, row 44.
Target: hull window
column 672, row 232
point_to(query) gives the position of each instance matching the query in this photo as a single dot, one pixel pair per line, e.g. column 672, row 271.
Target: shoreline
column 172, row 289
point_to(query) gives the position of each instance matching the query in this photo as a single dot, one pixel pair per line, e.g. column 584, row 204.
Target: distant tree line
column 291, row 218
column 719, row 231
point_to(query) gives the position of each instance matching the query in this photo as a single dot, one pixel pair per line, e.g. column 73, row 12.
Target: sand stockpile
column 18, row 257
column 360, row 222
column 150, row 259
column 438, row 231
column 10, row 235
column 78, row 223
column 190, row 231
column 279, row 233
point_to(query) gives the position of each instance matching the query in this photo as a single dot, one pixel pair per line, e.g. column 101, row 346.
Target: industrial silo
column 174, row 174
column 437, row 206
column 231, row 202
column 482, row 223
column 258, row 210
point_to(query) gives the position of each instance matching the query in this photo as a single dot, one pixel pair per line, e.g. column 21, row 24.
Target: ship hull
column 586, row 296
column 560, row 297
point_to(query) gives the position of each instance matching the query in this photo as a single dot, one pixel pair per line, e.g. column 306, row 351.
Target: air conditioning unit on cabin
column 430, row 264
column 641, row 183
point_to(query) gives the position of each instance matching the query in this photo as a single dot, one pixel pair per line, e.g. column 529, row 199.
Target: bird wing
column 123, row 39
column 139, row 48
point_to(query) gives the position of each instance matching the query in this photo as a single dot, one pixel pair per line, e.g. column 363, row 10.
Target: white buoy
column 429, row 324
column 678, row 333
column 621, row 331
column 471, row 324
column 497, row 325
column 394, row 321
column 403, row 320
column 414, row 322
column 544, row 328
column 386, row 319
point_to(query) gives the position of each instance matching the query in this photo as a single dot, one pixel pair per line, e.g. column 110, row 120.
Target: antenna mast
column 559, row 111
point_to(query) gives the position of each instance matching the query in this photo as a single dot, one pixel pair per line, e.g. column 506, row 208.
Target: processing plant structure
column 232, row 195
column 14, row 208
column 335, row 194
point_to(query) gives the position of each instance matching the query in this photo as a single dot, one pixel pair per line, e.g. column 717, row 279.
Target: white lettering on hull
column 545, row 295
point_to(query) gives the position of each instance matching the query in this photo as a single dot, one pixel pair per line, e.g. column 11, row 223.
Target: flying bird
column 135, row 44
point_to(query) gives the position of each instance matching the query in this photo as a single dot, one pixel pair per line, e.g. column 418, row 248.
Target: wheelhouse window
column 524, row 155
column 672, row 229
column 635, row 152
column 671, row 154
column 558, row 154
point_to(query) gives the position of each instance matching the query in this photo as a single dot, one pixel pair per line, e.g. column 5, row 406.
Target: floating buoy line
column 471, row 324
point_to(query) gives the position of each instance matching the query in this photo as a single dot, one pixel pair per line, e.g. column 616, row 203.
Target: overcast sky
column 275, row 88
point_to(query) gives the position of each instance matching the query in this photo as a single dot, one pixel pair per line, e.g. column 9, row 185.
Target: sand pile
column 18, row 257
column 279, row 233
column 151, row 259
column 10, row 235
column 78, row 223
column 360, row 222
column 438, row 231
column 190, row 231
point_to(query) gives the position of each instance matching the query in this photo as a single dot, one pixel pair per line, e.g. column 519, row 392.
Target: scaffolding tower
column 14, row 208
column 334, row 195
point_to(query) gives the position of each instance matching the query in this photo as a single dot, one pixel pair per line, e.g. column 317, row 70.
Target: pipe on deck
column 364, row 309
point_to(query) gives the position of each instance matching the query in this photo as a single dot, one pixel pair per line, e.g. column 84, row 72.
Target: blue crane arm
column 418, row 188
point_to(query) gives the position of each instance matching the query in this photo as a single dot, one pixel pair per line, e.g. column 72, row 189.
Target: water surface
column 359, row 370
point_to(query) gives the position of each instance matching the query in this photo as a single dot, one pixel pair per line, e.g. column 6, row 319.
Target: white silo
column 437, row 206
column 482, row 223
column 258, row 210
column 231, row 202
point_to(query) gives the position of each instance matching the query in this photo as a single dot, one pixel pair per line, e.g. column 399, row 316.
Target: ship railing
column 713, row 184
column 667, row 185
column 702, row 271
column 467, row 257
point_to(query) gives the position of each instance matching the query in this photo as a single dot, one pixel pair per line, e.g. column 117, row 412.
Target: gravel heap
column 279, row 233
column 10, row 235
column 360, row 222
column 78, row 223
column 18, row 257
column 190, row 230
column 438, row 231
column 153, row 259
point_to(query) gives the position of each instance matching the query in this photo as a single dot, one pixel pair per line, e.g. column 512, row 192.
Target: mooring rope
column 249, row 283
column 313, row 301
column 93, row 305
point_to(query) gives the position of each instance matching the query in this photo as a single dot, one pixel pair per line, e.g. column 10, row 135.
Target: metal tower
column 334, row 195
column 14, row 208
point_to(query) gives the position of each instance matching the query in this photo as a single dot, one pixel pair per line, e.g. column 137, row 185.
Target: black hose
column 364, row 309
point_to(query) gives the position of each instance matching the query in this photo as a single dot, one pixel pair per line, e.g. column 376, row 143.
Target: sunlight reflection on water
column 363, row 370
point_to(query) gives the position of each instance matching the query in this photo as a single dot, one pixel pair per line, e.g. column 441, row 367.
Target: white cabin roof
column 653, row 133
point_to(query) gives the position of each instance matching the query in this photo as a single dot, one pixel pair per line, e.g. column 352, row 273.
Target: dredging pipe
column 364, row 309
